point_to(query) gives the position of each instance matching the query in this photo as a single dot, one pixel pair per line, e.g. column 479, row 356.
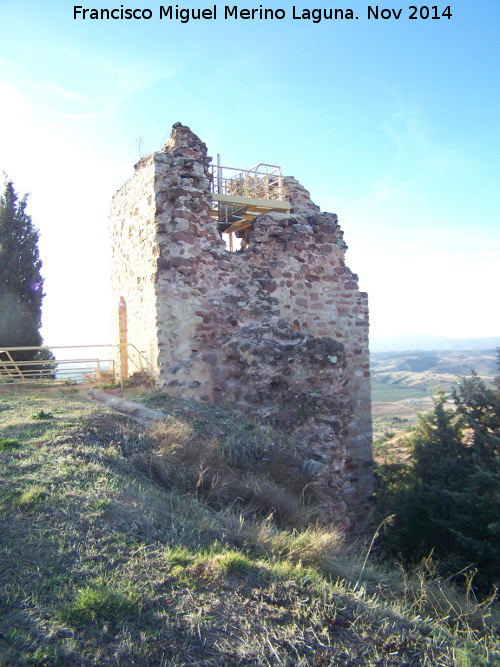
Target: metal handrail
column 52, row 347
column 142, row 357
column 248, row 183
column 79, row 369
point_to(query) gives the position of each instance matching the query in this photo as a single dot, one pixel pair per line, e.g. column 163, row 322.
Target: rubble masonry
column 279, row 331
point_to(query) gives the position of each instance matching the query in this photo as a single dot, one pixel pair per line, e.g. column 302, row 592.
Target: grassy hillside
column 178, row 545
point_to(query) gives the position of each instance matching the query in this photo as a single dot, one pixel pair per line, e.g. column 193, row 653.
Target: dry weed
column 178, row 457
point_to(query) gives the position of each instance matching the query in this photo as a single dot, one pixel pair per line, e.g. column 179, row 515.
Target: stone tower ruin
column 277, row 329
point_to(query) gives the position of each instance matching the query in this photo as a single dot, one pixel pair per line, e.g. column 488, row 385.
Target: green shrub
column 98, row 602
column 232, row 562
column 179, row 556
column 42, row 415
column 7, row 443
column 31, row 496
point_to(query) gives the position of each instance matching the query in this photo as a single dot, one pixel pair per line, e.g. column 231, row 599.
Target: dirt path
column 135, row 411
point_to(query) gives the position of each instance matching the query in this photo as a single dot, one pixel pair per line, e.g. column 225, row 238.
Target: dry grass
column 113, row 552
column 225, row 474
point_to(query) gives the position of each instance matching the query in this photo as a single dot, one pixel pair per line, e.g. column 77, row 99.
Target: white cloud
column 59, row 92
column 417, row 162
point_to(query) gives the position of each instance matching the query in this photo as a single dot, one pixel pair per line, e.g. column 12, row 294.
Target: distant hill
column 403, row 383
column 431, row 343
column 441, row 362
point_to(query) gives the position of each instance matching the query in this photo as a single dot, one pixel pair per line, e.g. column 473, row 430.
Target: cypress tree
column 447, row 502
column 21, row 283
column 478, row 531
column 426, row 500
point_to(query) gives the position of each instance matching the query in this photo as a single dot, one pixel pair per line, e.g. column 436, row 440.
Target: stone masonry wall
column 134, row 261
column 279, row 331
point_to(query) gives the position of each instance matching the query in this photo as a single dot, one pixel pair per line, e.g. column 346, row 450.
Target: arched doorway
column 122, row 326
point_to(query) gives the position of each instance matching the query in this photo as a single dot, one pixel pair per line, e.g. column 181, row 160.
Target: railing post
column 15, row 365
column 219, row 175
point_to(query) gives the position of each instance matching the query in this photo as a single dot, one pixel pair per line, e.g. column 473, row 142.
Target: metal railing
column 264, row 181
column 95, row 367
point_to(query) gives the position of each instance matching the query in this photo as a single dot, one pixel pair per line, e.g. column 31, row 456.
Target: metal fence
column 264, row 181
column 72, row 364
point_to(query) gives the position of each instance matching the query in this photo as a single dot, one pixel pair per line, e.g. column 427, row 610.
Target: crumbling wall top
column 184, row 140
column 298, row 196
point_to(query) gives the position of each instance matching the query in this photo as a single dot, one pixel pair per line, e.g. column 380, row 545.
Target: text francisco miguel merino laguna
column 185, row 14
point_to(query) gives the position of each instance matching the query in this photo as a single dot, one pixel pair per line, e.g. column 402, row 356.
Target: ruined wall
column 279, row 331
column 134, row 261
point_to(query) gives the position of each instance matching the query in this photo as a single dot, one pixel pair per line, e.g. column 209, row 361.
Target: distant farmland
column 383, row 392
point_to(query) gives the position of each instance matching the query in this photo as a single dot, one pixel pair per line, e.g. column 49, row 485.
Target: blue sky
column 391, row 124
